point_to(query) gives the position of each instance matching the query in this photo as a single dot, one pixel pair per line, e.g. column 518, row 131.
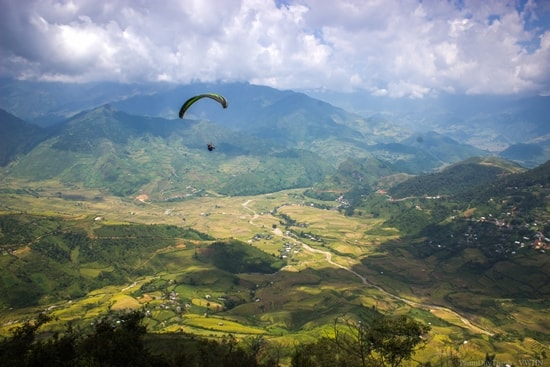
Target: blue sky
column 396, row 48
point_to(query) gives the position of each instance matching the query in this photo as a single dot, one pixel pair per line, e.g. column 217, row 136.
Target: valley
column 330, row 265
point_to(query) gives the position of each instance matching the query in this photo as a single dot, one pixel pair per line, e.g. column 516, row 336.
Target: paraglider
column 216, row 97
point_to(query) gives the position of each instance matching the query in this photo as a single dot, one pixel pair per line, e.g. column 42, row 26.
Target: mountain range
column 271, row 140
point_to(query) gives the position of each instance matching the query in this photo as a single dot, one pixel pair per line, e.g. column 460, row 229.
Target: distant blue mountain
column 415, row 135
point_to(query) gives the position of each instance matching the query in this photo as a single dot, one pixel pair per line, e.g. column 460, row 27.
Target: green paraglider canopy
column 190, row 101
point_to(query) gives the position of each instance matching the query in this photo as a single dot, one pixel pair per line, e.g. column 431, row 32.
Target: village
column 512, row 232
column 285, row 251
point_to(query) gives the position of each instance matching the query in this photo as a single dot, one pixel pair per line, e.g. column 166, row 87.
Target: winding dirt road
column 465, row 321
column 328, row 258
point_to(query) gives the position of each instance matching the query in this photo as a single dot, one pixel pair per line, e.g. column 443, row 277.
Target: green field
column 323, row 265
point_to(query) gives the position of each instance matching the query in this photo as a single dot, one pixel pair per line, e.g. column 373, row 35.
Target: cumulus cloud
column 400, row 48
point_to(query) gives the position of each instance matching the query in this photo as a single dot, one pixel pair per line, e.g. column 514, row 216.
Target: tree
column 322, row 353
column 395, row 339
column 386, row 341
column 117, row 341
column 15, row 350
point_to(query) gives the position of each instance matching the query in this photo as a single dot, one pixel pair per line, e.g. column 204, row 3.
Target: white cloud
column 389, row 47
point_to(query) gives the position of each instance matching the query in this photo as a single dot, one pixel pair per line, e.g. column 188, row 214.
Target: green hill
column 125, row 155
column 455, row 179
column 483, row 238
column 48, row 259
column 18, row 137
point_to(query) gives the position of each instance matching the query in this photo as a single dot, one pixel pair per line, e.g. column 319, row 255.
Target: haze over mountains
column 272, row 130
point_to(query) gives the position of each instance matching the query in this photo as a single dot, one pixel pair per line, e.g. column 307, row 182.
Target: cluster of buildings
column 288, row 249
column 541, row 242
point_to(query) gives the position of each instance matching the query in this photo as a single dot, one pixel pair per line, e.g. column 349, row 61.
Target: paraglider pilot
column 217, row 97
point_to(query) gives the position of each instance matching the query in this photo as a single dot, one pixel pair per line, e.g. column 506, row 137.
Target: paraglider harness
column 210, row 146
